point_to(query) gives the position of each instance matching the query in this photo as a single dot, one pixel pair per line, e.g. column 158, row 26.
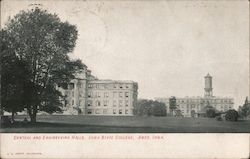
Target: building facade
column 192, row 106
column 88, row 95
column 108, row 97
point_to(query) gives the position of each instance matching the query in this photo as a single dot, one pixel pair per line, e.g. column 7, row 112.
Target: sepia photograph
column 124, row 67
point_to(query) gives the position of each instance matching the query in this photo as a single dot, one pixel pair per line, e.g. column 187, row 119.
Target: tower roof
column 208, row 75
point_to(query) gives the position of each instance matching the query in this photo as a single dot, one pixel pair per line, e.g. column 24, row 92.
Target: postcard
column 125, row 79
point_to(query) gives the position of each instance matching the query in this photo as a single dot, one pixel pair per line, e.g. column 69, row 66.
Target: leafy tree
column 244, row 111
column 159, row 109
column 13, row 77
column 51, row 100
column 150, row 107
column 210, row 113
column 144, row 107
column 231, row 115
column 41, row 41
column 192, row 113
column 178, row 113
column 172, row 105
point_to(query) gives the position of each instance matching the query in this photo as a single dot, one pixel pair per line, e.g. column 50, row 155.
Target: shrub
column 231, row 115
column 218, row 118
column 210, row 113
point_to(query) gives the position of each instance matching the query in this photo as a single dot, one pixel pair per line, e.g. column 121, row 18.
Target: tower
column 208, row 86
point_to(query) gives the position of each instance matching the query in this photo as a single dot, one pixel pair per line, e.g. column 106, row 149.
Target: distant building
column 196, row 106
column 88, row 95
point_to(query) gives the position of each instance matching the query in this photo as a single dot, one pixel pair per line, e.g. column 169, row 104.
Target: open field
column 118, row 124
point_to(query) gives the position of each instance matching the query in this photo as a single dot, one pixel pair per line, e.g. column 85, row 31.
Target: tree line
column 145, row 107
column 34, row 57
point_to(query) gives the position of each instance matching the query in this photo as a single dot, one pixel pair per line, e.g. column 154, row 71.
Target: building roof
column 196, row 97
column 112, row 81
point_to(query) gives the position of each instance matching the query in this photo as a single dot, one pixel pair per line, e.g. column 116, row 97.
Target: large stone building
column 88, row 95
column 194, row 106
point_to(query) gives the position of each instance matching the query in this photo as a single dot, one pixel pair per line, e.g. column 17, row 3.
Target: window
column 98, row 103
column 120, row 94
column 106, row 94
column 89, row 111
column 90, row 85
column 120, row 103
column 97, row 111
column 71, row 86
column 120, row 111
column 97, row 86
column 73, row 93
column 120, row 86
column 79, row 85
column 127, row 86
column 126, row 94
column 114, row 111
column 114, row 85
column 98, row 94
column 114, row 94
column 114, row 103
column 105, row 111
column 89, row 94
column 105, row 103
column 80, row 102
column 126, row 103
column 81, row 94
column 89, row 103
column 73, row 102
column 126, row 111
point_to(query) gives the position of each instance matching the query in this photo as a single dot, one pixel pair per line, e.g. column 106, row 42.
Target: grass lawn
column 118, row 124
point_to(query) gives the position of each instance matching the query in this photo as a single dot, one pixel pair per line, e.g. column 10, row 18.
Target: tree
column 210, row 110
column 231, row 115
column 159, row 109
column 210, row 113
column 244, row 111
column 150, row 107
column 42, row 41
column 172, row 105
column 144, row 107
column 192, row 113
column 51, row 101
column 13, row 77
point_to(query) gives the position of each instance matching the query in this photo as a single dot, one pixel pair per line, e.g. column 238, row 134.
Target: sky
column 166, row 46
